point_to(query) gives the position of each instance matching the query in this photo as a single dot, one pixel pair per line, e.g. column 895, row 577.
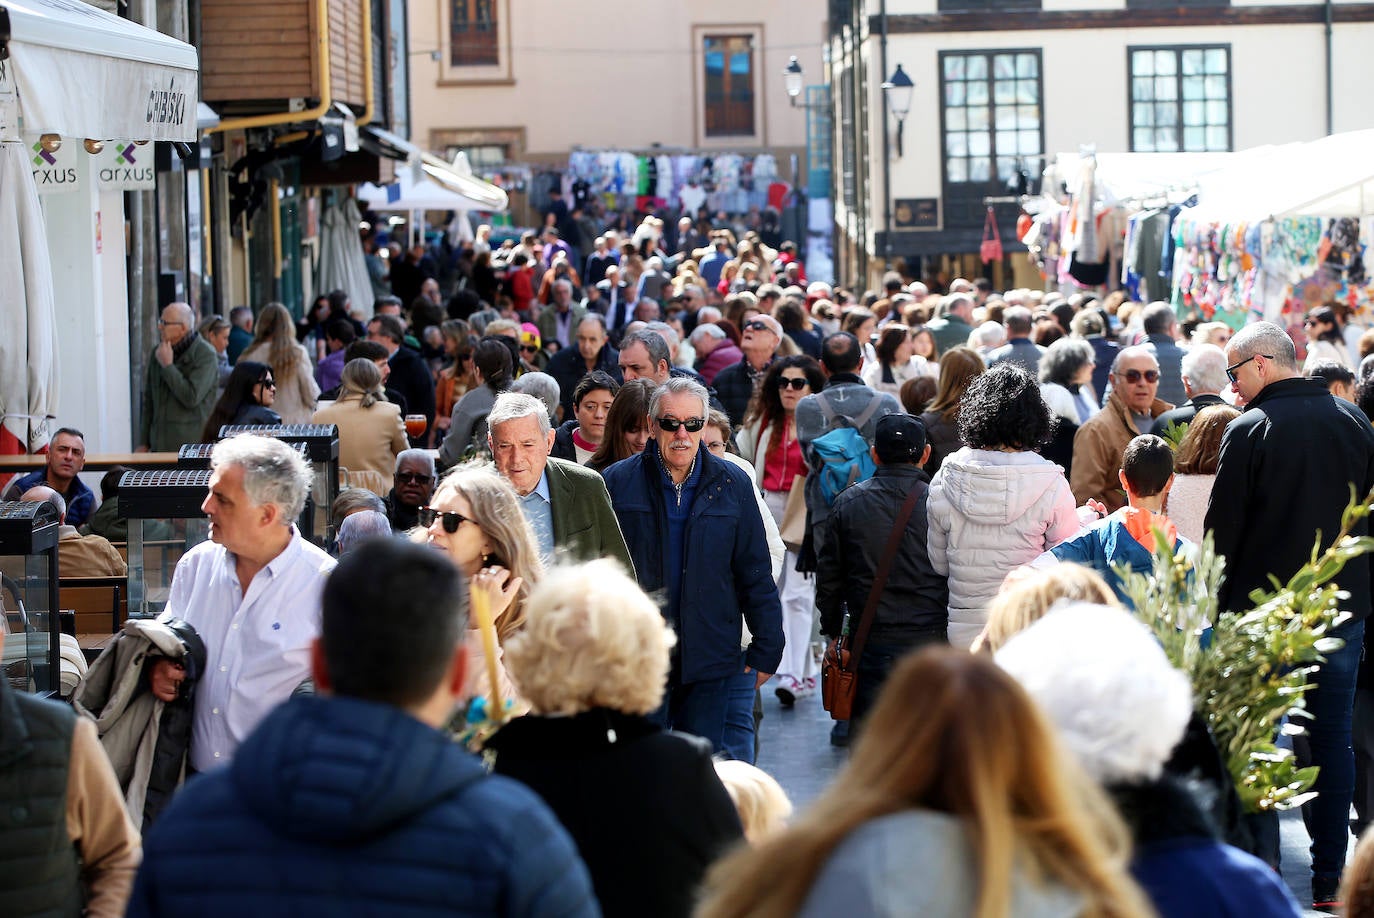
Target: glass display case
column 28, row 593
column 321, row 443
column 165, row 522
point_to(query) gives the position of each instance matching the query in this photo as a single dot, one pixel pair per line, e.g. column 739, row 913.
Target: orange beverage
column 415, row 425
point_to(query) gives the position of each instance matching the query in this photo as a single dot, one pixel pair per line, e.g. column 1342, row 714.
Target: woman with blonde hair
column 959, row 366
column 644, row 805
column 1195, row 470
column 274, row 343
column 961, row 804
column 1027, row 594
column 759, row 799
column 475, row 517
column 371, row 431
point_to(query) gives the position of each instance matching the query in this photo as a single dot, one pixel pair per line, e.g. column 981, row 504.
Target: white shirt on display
column 257, row 646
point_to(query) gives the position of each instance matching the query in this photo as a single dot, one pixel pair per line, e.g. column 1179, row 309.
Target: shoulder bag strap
column 827, row 413
column 894, row 541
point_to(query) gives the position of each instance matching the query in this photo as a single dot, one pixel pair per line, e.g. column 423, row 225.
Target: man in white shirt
column 252, row 593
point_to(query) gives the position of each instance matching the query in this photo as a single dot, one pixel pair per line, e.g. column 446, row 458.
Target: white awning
column 456, row 178
column 82, row 72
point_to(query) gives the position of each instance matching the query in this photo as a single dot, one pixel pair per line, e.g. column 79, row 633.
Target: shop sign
column 124, row 166
column 54, row 172
column 916, row 213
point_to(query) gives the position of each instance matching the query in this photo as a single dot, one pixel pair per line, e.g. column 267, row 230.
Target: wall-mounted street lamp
column 897, row 90
column 795, row 81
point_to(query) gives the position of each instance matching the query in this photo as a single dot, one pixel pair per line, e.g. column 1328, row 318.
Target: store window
column 991, row 116
column 729, row 73
column 1180, row 99
column 481, row 156
column 473, row 40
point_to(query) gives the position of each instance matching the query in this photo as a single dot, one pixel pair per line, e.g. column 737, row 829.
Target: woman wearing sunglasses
column 248, row 396
column 474, row 517
column 457, row 377
column 1324, row 339
column 371, row 431
column 768, row 439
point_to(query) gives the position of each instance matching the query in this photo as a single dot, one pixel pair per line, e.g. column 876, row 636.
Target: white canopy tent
column 407, row 195
column 1330, row 177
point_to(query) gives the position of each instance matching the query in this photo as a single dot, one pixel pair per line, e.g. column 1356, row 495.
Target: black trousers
column 878, row 660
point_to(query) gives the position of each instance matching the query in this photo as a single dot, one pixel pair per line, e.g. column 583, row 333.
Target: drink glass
column 415, row 425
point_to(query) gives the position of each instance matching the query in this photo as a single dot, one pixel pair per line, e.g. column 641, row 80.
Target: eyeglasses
column 715, row 446
column 268, row 383
column 1134, row 376
column 164, row 323
column 794, row 382
column 1310, row 322
column 671, row 425
column 529, row 349
column 427, row 516
column 756, row 325
column 413, row 478
column 1231, row 370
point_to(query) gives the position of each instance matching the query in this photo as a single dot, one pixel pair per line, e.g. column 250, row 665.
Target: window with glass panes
column 993, row 125
column 1180, row 99
column 473, row 34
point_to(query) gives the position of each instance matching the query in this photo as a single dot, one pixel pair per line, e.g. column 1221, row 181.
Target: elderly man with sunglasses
column 697, row 539
column 1101, row 441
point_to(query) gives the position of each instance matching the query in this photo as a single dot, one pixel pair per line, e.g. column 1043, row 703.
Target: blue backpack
column 843, row 453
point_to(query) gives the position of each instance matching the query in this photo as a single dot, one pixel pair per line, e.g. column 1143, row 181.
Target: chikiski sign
column 124, row 166
column 54, row 171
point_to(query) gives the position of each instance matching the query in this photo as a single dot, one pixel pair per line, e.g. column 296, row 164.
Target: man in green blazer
column 566, row 505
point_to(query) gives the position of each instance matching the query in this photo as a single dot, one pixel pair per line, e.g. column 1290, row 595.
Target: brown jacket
column 87, row 556
column 1097, row 450
column 369, row 440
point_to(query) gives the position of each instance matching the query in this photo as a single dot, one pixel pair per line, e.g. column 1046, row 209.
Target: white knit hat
column 1105, row 683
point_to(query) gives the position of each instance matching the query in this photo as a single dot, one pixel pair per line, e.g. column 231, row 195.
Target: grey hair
column 563, row 282
column 511, row 406
column 987, row 334
column 422, row 456
column 1135, row 350
column 652, row 342
column 596, row 317
column 357, row 527
column 273, row 472
column 667, row 331
column 953, row 302
column 1267, row 339
column 1063, row 359
column 543, row 387
column 1086, row 323
column 351, row 500
column 706, row 330
column 679, row 385
column 54, row 497
column 708, row 315
column 1204, row 366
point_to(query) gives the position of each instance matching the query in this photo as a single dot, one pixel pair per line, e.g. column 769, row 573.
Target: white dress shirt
column 257, row 645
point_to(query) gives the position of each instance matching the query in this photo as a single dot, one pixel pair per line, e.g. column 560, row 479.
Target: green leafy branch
column 1254, row 670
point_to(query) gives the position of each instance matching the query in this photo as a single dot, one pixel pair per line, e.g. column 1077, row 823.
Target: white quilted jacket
column 990, row 512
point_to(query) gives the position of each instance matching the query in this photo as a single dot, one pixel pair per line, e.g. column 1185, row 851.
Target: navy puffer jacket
column 341, row 807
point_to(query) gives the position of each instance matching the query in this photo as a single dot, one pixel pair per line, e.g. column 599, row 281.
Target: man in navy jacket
column 353, row 801
column 695, row 535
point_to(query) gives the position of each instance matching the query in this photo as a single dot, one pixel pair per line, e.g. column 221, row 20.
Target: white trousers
column 798, row 595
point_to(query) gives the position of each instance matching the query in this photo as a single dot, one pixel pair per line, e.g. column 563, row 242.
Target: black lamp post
column 897, row 90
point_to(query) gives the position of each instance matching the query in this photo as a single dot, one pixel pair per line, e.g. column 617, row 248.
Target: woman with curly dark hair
column 995, row 504
column 768, row 439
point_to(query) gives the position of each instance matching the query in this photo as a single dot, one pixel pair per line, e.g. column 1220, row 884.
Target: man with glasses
column 1101, row 442
column 698, row 543
column 178, row 393
column 412, row 486
column 1285, row 474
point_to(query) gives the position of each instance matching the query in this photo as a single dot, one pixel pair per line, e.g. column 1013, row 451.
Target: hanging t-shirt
column 692, row 197
column 581, row 193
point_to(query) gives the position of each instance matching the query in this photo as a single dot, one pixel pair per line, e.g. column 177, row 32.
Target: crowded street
column 468, row 457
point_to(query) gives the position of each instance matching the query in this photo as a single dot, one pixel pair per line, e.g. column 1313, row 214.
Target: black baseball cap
column 899, row 438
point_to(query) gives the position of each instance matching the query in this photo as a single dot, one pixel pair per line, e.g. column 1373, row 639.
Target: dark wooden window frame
column 960, row 207
column 474, row 41
column 1178, row 100
column 731, row 112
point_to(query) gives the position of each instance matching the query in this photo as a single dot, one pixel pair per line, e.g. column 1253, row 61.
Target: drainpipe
column 1330, row 118
column 322, row 73
column 369, row 91
column 887, row 152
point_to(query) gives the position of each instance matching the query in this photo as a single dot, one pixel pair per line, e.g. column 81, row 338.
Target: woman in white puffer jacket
column 995, row 505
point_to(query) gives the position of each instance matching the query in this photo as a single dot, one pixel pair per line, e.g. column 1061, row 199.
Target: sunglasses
column 756, row 325
column 1231, row 370
column 1134, row 376
column 1310, row 322
column 794, row 382
column 427, row 516
column 671, row 425
column 413, row 478
column 268, row 383
column 529, row 349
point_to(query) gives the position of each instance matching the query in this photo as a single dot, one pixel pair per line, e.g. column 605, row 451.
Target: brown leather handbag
column 839, row 666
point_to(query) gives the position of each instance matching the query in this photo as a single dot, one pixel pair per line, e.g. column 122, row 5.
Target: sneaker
column 787, row 691
column 804, row 689
column 1326, row 893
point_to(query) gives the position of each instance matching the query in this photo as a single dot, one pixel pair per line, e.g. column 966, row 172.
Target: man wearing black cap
column 913, row 608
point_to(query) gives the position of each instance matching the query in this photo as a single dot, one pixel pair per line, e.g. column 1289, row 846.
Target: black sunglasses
column 427, row 516
column 756, row 325
column 794, row 382
column 1231, row 370
column 670, row 425
column 1134, row 376
column 269, row 383
column 529, row 348
column 413, row 478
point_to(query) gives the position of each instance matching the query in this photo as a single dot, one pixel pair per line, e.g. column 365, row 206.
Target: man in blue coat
column 695, row 535
column 354, row 801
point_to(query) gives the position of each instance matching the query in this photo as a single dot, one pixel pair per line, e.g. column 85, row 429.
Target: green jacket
column 106, row 522
column 177, row 399
column 584, row 524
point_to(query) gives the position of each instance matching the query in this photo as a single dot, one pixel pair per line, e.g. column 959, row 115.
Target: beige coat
column 1097, row 450
column 369, row 441
column 296, row 392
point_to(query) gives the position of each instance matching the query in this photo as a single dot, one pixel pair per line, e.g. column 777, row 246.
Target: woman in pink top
column 1195, row 469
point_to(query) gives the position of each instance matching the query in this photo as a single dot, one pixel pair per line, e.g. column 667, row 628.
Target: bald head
column 177, row 321
column 43, row 494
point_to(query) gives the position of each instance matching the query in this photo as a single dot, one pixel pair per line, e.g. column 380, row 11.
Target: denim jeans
column 718, row 710
column 1331, row 702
